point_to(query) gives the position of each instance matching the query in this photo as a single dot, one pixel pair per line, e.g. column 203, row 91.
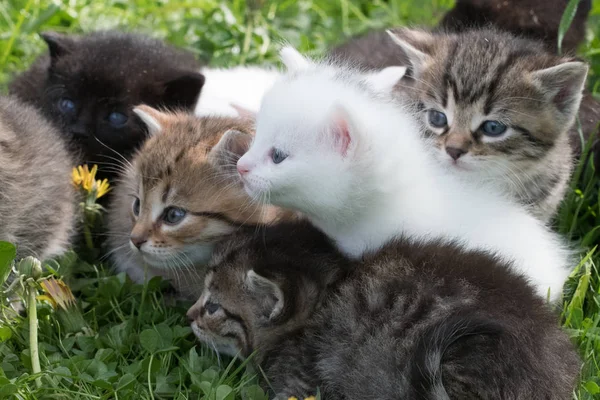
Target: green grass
column 141, row 347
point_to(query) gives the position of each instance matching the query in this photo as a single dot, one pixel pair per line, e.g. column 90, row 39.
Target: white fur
column 239, row 86
column 387, row 184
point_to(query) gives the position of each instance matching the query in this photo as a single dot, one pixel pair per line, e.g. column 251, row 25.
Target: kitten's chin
column 190, row 256
column 221, row 345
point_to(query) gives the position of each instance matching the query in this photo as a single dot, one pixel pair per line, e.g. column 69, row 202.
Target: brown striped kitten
column 412, row 321
column 179, row 196
column 497, row 110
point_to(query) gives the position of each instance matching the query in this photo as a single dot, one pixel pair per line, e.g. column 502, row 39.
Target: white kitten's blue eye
column 174, row 215
column 67, row 106
column 136, row 207
column 117, row 119
column 278, row 156
column 493, row 128
column 437, row 119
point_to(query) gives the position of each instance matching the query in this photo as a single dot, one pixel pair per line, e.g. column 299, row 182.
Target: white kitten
column 227, row 91
column 332, row 144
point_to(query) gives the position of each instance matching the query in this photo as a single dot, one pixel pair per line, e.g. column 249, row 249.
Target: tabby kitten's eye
column 136, row 207
column 174, row 215
column 437, row 119
column 66, row 106
column 117, row 119
column 493, row 128
column 278, row 156
column 211, row 308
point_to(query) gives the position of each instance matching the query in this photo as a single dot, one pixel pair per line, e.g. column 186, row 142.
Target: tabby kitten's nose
column 138, row 241
column 191, row 315
column 455, row 153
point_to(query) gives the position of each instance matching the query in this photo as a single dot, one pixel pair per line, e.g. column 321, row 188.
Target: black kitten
column 88, row 85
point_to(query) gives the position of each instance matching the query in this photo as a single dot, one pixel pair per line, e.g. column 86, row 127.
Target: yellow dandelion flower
column 292, row 398
column 57, row 293
column 102, row 187
column 82, row 176
column 310, row 398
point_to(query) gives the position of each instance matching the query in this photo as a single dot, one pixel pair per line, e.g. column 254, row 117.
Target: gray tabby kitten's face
column 492, row 103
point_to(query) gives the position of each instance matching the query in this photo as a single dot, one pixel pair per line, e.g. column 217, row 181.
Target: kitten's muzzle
column 138, row 241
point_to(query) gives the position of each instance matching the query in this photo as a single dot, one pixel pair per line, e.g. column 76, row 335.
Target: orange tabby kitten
column 181, row 195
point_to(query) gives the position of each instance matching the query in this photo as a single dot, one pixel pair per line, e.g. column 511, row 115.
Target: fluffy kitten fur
column 482, row 77
column 347, row 156
column 37, row 200
column 188, row 164
column 234, row 91
column 414, row 321
column 88, row 85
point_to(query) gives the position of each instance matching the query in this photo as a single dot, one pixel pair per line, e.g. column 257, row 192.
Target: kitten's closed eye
column 278, row 156
column 493, row 128
column 117, row 119
column 67, row 106
column 437, row 119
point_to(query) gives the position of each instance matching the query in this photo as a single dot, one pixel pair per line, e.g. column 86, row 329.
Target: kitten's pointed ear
column 341, row 130
column 268, row 292
column 183, row 91
column 384, row 81
column 230, row 148
column 415, row 44
column 563, row 84
column 154, row 120
column 293, row 60
column 58, row 44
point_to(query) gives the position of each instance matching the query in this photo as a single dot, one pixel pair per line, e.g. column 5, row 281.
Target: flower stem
column 33, row 333
column 87, row 233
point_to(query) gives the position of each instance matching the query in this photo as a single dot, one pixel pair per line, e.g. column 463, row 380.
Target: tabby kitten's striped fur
column 413, row 321
column 497, row 109
column 37, row 198
column 179, row 196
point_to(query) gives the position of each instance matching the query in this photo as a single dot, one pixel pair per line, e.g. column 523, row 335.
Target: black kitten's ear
column 267, row 292
column 183, row 91
column 231, row 147
column 58, row 44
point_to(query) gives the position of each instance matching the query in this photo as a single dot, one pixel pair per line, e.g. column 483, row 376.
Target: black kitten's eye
column 278, row 156
column 174, row 215
column 493, row 128
column 117, row 119
column 211, row 308
column 136, row 207
column 67, row 106
column 437, row 118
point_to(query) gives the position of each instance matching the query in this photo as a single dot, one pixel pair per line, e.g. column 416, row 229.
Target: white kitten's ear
column 342, row 130
column 384, row 81
column 232, row 145
column 414, row 44
column 150, row 117
column 563, row 85
column 293, row 60
column 267, row 292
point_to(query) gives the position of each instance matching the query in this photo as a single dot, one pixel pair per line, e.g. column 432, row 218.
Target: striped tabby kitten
column 413, row 321
column 179, row 196
column 37, row 199
column 497, row 110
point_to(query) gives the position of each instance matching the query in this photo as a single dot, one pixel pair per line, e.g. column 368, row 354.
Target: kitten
column 234, row 92
column 536, row 19
column 37, row 198
column 88, row 85
column 179, row 196
column 497, row 110
column 334, row 146
column 414, row 321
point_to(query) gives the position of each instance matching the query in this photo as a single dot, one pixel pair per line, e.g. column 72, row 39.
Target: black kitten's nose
column 455, row 152
column 138, row 241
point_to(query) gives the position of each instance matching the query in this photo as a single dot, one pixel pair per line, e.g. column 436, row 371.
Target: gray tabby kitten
column 37, row 198
column 414, row 321
column 497, row 108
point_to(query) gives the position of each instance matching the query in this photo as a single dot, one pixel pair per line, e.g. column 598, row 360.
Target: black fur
column 102, row 73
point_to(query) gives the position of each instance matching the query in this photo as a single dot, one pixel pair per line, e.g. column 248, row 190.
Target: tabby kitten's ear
column 230, row 148
column 416, row 44
column 563, row 85
column 58, row 44
column 154, row 120
column 183, row 91
column 268, row 292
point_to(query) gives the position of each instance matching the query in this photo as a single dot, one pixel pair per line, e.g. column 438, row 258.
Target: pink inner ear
column 341, row 133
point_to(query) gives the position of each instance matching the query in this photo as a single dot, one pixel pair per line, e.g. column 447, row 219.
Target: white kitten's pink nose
column 242, row 167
